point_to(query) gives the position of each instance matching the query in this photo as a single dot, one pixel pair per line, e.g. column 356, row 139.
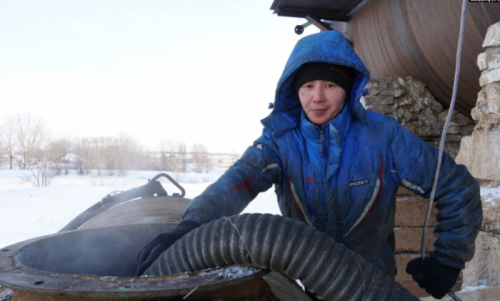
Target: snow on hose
column 282, row 245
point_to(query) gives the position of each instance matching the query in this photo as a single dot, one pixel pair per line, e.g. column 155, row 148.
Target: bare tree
column 82, row 153
column 111, row 154
column 127, row 154
column 169, row 159
column 91, row 152
column 58, row 150
column 201, row 158
column 45, row 168
column 25, row 140
column 163, row 161
column 182, row 153
column 41, row 175
column 8, row 141
column 31, row 136
column 1, row 146
column 97, row 155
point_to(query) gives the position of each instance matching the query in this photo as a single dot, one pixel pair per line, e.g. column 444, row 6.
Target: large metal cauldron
column 98, row 262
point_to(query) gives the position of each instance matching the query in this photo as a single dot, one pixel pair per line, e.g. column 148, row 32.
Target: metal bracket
column 323, row 26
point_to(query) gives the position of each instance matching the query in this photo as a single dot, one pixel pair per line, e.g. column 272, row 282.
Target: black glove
column 161, row 243
column 436, row 278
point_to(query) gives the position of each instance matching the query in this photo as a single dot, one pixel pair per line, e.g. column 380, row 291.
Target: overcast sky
column 195, row 71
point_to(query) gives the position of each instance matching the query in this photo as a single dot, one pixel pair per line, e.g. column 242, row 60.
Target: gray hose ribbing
column 282, row 245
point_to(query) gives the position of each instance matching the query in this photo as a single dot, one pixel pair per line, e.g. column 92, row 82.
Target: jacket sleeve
column 256, row 171
column 459, row 211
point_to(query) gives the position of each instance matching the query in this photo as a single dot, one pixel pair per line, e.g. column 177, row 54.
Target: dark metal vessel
column 97, row 261
column 99, row 264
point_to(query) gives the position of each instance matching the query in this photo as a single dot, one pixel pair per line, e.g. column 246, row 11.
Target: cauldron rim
column 20, row 277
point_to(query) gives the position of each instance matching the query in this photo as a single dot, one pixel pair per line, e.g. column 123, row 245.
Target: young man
column 337, row 167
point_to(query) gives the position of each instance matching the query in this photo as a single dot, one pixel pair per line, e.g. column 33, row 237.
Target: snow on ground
column 490, row 194
column 27, row 212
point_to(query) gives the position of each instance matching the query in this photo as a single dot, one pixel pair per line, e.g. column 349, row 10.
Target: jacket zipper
column 322, row 139
column 325, row 189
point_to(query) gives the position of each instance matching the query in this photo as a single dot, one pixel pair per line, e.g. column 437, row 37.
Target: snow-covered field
column 27, row 212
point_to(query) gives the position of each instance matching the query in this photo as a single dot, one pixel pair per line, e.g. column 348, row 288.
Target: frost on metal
column 236, row 271
column 231, row 272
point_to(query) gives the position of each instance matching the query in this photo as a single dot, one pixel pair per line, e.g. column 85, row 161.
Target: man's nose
column 318, row 94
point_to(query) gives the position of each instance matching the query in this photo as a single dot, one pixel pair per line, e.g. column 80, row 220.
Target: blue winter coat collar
column 340, row 125
column 327, row 47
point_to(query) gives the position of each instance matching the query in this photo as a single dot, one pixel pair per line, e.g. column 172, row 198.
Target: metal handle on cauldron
column 183, row 192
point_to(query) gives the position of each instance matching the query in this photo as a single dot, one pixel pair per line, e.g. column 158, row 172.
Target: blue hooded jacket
column 342, row 177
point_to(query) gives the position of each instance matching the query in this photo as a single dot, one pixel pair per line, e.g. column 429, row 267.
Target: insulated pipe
column 280, row 244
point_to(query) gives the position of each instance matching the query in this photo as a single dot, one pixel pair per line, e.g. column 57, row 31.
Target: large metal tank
column 419, row 39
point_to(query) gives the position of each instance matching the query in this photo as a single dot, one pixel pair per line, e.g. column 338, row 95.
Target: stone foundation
column 409, row 102
column 410, row 216
column 480, row 152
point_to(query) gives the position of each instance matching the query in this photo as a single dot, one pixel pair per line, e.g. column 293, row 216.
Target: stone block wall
column 410, row 215
column 414, row 107
column 480, row 152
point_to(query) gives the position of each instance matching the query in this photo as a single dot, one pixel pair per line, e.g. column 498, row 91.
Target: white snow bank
column 490, row 194
column 473, row 288
column 28, row 212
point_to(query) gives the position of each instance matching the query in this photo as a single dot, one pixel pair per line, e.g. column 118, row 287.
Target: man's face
column 321, row 100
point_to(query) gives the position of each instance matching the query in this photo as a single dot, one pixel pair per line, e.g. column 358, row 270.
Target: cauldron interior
column 106, row 251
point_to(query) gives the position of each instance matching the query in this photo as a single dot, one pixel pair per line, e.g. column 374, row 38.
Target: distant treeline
column 26, row 144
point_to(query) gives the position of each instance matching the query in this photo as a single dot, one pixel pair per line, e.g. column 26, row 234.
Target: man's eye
column 330, row 85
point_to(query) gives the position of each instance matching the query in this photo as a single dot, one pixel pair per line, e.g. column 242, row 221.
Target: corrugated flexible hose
column 280, row 244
